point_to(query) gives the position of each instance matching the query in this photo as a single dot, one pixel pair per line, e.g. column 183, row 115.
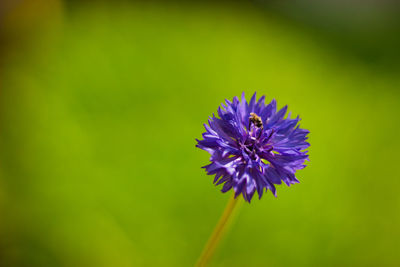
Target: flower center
column 251, row 143
column 256, row 144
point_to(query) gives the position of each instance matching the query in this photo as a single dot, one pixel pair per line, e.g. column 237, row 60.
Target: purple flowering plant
column 253, row 146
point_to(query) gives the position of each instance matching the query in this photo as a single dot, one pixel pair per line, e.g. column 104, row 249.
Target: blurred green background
column 101, row 102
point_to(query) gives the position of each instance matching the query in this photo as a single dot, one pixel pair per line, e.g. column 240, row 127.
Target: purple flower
column 253, row 146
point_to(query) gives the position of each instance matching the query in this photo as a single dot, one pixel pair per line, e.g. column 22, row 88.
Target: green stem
column 218, row 232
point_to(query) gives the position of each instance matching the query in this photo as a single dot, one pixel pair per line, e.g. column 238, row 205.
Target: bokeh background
column 101, row 102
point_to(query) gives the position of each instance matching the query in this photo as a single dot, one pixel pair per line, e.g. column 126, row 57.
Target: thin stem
column 218, row 232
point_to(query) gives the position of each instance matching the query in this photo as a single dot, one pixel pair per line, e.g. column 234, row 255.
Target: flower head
column 253, row 146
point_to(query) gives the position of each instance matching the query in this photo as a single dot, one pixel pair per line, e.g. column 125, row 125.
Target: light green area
column 98, row 165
